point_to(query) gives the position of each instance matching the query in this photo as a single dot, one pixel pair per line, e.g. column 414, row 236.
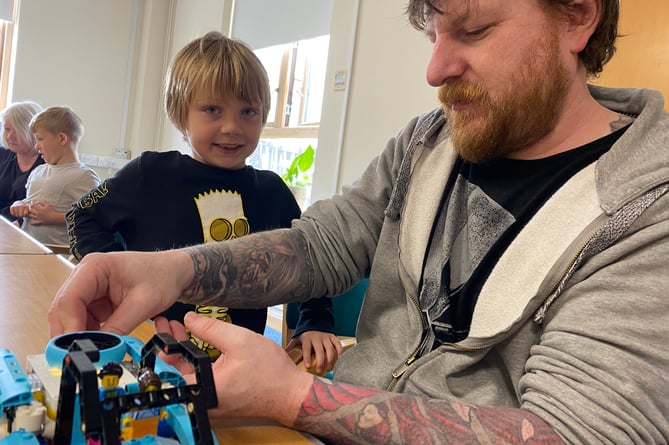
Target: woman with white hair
column 18, row 156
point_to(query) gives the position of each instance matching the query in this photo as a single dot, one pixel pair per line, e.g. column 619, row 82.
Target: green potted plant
column 298, row 175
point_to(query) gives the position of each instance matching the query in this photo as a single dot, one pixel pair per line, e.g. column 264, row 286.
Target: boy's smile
column 223, row 131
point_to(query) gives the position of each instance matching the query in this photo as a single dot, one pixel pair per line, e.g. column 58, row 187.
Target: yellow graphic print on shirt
column 222, row 216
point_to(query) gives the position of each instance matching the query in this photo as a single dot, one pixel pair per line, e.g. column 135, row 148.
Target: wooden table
column 28, row 282
column 15, row 241
column 27, row 285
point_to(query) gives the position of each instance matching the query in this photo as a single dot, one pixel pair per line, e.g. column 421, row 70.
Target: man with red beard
column 516, row 243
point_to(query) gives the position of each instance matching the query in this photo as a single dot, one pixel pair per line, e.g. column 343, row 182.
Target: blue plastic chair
column 346, row 308
column 346, row 311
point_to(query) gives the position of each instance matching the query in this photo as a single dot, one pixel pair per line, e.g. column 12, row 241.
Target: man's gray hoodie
column 571, row 323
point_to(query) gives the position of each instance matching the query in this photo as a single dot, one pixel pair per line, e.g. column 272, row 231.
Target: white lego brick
column 50, row 379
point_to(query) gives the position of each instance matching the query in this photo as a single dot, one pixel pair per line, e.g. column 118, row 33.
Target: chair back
column 346, row 308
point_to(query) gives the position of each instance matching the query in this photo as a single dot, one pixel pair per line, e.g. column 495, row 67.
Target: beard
column 524, row 112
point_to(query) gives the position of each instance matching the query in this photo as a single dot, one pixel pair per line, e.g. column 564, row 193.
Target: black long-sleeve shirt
column 12, row 180
column 167, row 200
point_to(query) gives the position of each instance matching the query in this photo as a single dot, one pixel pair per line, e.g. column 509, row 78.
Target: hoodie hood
column 639, row 160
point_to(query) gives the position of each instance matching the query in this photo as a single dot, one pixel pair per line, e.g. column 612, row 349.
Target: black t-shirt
column 12, row 180
column 483, row 208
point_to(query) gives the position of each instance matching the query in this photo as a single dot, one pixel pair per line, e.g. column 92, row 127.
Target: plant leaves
column 305, row 159
column 301, row 164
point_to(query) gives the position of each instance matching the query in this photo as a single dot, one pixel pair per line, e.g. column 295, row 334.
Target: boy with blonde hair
column 52, row 187
column 217, row 95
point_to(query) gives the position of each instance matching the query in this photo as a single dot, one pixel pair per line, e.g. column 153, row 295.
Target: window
column 296, row 74
column 6, row 31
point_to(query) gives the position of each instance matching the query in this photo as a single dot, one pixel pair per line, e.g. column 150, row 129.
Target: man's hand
column 118, row 291
column 254, row 377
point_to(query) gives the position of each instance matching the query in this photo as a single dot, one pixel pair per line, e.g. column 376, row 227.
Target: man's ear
column 583, row 18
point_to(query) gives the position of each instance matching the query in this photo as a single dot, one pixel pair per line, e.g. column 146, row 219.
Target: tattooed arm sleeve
column 258, row 270
column 346, row 414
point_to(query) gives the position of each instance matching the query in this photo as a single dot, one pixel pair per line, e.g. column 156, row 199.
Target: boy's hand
column 325, row 347
column 19, row 209
column 41, row 212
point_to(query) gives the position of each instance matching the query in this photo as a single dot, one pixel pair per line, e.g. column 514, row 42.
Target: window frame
column 6, row 36
column 279, row 127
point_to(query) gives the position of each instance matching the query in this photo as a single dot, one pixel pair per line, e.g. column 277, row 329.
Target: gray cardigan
column 572, row 322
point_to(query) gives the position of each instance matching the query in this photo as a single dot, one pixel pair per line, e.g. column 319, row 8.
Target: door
column 642, row 58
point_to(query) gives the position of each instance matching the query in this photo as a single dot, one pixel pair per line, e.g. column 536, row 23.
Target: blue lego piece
column 179, row 420
column 20, row 438
column 113, row 351
column 148, row 440
column 15, row 388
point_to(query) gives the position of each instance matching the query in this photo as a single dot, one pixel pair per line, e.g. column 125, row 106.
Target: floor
column 274, row 321
column 273, row 334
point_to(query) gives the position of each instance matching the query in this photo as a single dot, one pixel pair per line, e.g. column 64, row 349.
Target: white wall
column 387, row 88
column 191, row 19
column 343, row 29
column 263, row 23
column 79, row 53
column 104, row 59
column 146, row 117
column 75, row 53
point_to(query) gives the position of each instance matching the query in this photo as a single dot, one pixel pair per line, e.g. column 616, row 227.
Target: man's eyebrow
column 460, row 18
column 455, row 20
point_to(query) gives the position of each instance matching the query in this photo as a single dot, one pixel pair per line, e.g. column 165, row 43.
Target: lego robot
column 58, row 400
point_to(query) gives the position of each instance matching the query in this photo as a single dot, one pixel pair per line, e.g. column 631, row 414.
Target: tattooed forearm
column 255, row 271
column 347, row 414
column 620, row 122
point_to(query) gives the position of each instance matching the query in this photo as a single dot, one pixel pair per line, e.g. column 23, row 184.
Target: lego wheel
column 111, row 347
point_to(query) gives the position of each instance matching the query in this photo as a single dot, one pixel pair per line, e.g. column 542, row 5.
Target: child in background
column 52, row 187
column 217, row 95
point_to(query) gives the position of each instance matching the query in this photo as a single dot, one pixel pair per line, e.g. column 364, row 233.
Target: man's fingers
column 55, row 327
column 172, row 327
column 216, row 333
column 179, row 331
column 162, row 325
column 83, row 302
column 67, row 315
column 124, row 319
